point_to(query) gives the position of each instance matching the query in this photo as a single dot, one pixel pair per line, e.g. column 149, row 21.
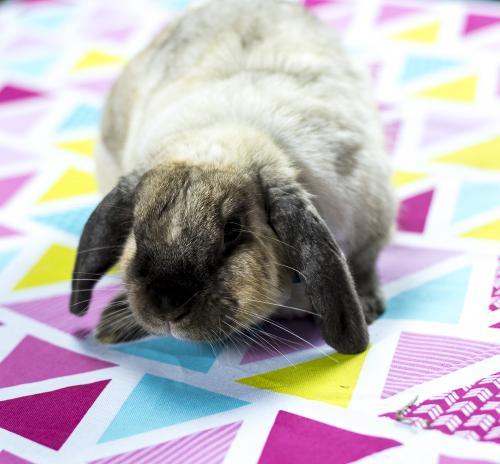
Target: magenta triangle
column 21, row 123
column 7, row 232
column 49, row 418
column 54, row 311
column 413, row 211
column 8, row 458
column 12, row 93
column 475, row 22
column 419, row 358
column 206, row 446
column 439, row 127
column 389, row 12
column 10, row 186
column 296, row 439
column 397, row 261
column 33, row 360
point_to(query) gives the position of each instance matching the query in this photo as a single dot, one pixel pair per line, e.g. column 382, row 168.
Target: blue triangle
column 419, row 66
column 71, row 221
column 47, row 18
column 34, row 67
column 6, row 257
column 439, row 300
column 82, row 116
column 158, row 402
column 191, row 355
column 475, row 198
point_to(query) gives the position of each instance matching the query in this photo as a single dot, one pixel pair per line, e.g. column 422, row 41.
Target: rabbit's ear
column 313, row 250
column 102, row 242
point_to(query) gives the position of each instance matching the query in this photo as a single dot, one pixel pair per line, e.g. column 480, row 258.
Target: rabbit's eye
column 232, row 230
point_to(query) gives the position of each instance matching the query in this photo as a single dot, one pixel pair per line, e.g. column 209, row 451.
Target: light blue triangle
column 419, row 66
column 71, row 221
column 440, row 300
column 34, row 67
column 475, row 198
column 47, row 18
column 82, row 116
column 6, row 258
column 158, row 402
column 191, row 355
column 175, row 4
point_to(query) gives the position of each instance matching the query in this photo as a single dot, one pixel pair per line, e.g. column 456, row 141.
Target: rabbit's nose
column 172, row 297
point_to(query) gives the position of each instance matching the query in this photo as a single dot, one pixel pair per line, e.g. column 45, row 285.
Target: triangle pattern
column 427, row 34
column 481, row 156
column 459, row 90
column 392, row 130
column 398, row 261
column 190, row 355
column 31, row 68
column 21, row 124
column 158, row 402
column 10, row 186
column 83, row 116
column 72, row 183
column 315, row 380
column 6, row 258
column 7, row 232
column 97, row 86
column 10, row 155
column 419, row 358
column 390, row 12
column 97, row 59
column 54, row 266
column 413, row 211
column 475, row 198
column 71, row 221
column 440, row 300
column 454, row 460
column 33, row 360
column 400, row 178
column 49, row 418
column 440, row 127
column 13, row 93
column 490, row 231
column 296, row 439
column 85, row 147
column 49, row 19
column 54, row 311
column 476, row 22
column 206, row 446
column 8, row 458
column 420, row 66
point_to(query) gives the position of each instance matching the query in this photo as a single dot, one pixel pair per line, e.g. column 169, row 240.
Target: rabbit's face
column 201, row 261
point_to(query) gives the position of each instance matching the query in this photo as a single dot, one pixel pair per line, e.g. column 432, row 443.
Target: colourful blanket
column 428, row 388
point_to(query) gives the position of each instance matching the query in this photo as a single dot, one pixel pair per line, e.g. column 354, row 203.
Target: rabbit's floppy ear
column 102, row 241
column 312, row 249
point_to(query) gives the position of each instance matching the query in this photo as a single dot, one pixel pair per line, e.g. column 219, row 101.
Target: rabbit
column 239, row 151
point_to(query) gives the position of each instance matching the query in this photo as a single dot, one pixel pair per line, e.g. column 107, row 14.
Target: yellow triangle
column 423, row 34
column 72, row 183
column 484, row 155
column 54, row 266
column 490, row 231
column 328, row 380
column 400, row 178
column 96, row 59
column 462, row 90
column 81, row 147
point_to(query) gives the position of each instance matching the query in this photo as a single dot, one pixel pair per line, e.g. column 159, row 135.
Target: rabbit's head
column 206, row 251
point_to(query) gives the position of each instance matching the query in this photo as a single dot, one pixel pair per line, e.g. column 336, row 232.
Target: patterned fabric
column 287, row 397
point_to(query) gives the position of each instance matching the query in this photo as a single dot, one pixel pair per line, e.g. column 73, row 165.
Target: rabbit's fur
column 242, row 111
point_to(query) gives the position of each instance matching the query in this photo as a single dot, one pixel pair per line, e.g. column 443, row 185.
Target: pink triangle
column 99, row 87
column 474, row 22
column 313, row 3
column 341, row 23
column 413, row 211
column 12, row 93
column 419, row 358
column 390, row 12
column 209, row 446
column 283, row 342
column 397, row 261
column 296, row 439
column 54, row 311
column 20, row 124
column 49, row 418
column 10, row 155
column 439, row 127
column 34, row 360
column 392, row 130
column 7, row 232
column 118, row 35
column 8, row 458
column 10, row 186
column 495, row 326
column 21, row 43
